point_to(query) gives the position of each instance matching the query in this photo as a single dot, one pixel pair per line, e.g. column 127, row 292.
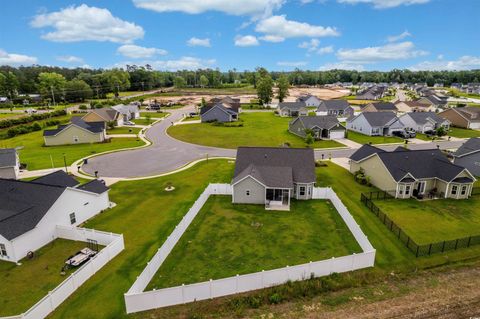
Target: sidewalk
column 349, row 143
column 342, row 161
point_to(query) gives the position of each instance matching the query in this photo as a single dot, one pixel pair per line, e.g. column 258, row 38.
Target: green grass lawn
column 463, row 132
column 365, row 139
column 124, row 130
column 259, row 129
column 37, row 156
column 226, row 239
column 424, row 137
column 434, row 221
column 154, row 115
column 192, row 118
column 146, row 215
column 143, row 121
column 22, row 286
column 4, row 116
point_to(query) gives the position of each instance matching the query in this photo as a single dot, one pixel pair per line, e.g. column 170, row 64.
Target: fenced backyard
column 113, row 243
column 418, row 249
column 137, row 300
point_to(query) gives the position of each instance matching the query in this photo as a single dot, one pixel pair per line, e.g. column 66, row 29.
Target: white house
column 375, row 123
column 309, row 100
column 423, row 122
column 9, row 163
column 30, row 211
column 128, row 112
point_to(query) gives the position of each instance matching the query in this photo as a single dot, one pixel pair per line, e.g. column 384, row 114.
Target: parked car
column 128, row 123
column 430, row 133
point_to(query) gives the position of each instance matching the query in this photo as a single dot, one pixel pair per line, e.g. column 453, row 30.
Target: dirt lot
column 193, row 98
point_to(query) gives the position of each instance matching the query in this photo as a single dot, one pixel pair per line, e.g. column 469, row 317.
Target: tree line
column 79, row 84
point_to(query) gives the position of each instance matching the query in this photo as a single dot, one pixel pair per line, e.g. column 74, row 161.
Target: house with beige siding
column 76, row 132
column 272, row 176
column 465, row 117
column 407, row 173
column 106, row 115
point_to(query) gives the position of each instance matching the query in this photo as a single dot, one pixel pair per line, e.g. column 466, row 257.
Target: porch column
column 289, row 197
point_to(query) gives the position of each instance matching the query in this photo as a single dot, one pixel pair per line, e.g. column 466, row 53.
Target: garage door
column 475, row 126
column 337, row 134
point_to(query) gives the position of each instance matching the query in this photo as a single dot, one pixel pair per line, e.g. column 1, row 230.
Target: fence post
column 183, row 293
column 236, row 284
column 211, row 294
column 263, row 273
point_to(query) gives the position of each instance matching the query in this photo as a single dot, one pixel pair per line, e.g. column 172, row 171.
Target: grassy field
column 436, row 220
column 143, row 121
column 4, row 116
column 124, row 130
column 463, row 133
column 192, row 118
column 259, row 129
column 365, row 139
column 146, row 215
column 37, row 156
column 156, row 115
column 226, row 239
column 22, row 286
column 424, row 137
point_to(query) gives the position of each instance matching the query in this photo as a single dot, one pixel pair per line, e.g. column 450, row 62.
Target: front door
column 421, row 187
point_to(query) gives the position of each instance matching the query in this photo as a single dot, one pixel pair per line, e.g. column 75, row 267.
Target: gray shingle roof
column 323, row 122
column 229, row 108
column 365, row 151
column 94, row 186
column 107, row 114
column 470, row 146
column 336, row 105
column 422, row 117
column 279, row 166
column 94, row 127
column 58, row 178
column 378, row 118
column 24, row 204
column 294, row 106
column 8, row 157
column 385, row 106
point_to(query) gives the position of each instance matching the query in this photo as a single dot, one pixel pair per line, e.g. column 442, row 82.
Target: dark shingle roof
column 334, row 105
column 291, row 105
column 58, row 178
column 470, row 146
column 229, row 108
column 304, row 98
column 94, row 127
column 378, row 118
column 323, row 122
column 422, row 117
column 108, row 114
column 94, row 186
column 280, row 167
column 365, row 151
column 385, row 106
column 23, row 205
column 8, row 157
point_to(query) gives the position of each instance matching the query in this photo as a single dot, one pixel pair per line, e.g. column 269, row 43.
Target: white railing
column 137, row 300
column 113, row 246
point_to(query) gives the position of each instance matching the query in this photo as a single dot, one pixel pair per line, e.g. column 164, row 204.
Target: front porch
column 277, row 199
column 434, row 189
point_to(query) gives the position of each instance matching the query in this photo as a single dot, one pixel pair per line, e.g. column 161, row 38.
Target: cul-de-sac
column 240, row 159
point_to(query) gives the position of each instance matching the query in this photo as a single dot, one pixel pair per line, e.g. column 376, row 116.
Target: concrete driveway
column 167, row 154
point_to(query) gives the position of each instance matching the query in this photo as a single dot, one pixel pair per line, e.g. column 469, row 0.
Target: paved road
column 164, row 155
column 167, row 154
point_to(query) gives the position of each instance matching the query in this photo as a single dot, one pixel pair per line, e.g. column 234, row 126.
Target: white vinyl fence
column 113, row 246
column 137, row 300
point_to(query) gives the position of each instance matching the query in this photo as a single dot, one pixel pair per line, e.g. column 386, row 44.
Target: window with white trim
column 302, row 190
column 454, row 189
column 3, row 250
column 73, row 218
column 464, row 190
column 407, row 190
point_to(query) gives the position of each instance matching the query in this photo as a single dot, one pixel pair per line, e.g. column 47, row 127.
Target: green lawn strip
column 37, row 156
column 259, row 129
column 146, row 214
column 434, row 221
column 365, row 139
column 22, row 286
column 424, row 137
column 192, row 118
column 226, row 239
column 463, row 133
column 124, row 130
column 143, row 121
column 153, row 115
column 4, row 116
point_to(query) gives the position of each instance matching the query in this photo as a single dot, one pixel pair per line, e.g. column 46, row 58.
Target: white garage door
column 334, row 135
column 475, row 126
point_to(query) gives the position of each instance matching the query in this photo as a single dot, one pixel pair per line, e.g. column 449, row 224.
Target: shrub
column 31, row 118
column 275, row 298
column 82, row 107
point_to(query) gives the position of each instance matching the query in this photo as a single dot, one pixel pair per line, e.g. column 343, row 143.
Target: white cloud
column 246, row 7
column 69, row 59
column 184, row 63
column 272, row 38
column 465, row 62
column 384, row 4
column 84, row 23
column 401, row 36
column 281, row 28
column 196, row 42
column 342, row 66
column 389, row 52
column 14, row 59
column 246, row 41
column 137, row 52
column 292, row 63
column 313, row 46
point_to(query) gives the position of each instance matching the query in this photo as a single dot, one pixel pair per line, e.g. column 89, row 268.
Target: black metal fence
column 418, row 250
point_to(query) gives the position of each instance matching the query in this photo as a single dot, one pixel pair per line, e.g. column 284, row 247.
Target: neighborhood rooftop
column 58, row 178
column 8, row 157
column 379, row 118
column 94, row 127
column 423, row 117
column 335, row 104
column 276, row 165
column 291, row 105
column 324, row 122
column 470, row 146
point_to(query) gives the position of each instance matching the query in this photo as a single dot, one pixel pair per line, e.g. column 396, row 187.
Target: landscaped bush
column 82, row 107
column 361, row 178
column 31, row 118
column 23, row 129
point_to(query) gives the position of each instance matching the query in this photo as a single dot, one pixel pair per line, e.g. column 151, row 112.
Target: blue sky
column 227, row 34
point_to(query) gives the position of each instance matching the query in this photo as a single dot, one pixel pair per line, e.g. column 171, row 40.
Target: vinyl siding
column 379, row 175
column 65, row 137
column 257, row 192
column 215, row 114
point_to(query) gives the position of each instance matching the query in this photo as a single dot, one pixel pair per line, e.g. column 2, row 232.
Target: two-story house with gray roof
column 407, row 173
column 30, row 211
column 272, row 176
